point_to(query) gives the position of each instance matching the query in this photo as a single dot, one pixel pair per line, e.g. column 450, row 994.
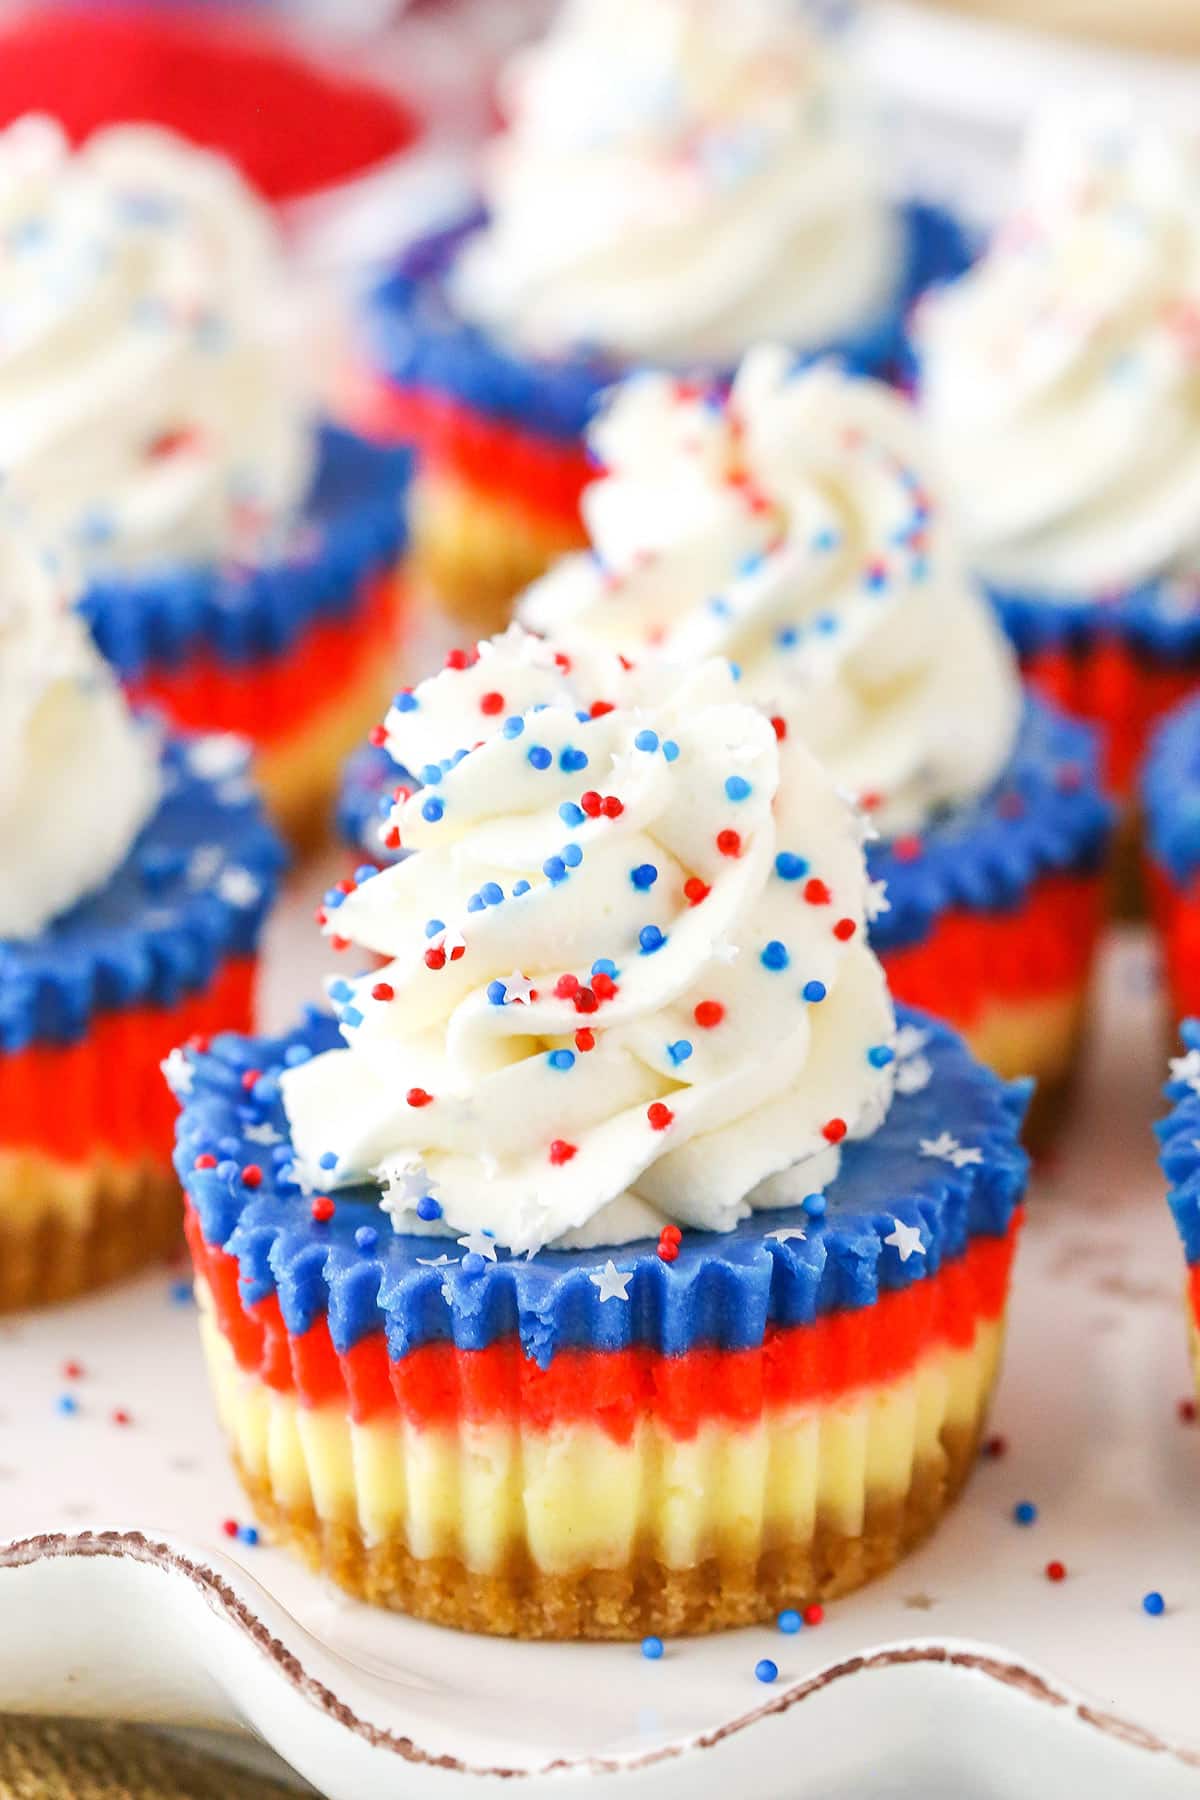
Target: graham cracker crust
column 476, row 554
column 646, row 1596
column 65, row 1230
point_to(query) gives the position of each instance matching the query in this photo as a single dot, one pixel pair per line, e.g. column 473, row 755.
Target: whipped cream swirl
column 793, row 528
column 627, row 978
column 78, row 774
column 1061, row 377
column 147, row 414
column 679, row 178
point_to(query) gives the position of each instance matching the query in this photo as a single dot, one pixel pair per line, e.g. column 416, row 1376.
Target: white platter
column 966, row 1672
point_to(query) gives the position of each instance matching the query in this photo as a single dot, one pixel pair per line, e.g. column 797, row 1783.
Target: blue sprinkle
column 814, row 1205
column 67, row 1404
column 327, row 1159
column 646, row 740
column 651, row 939
column 248, row 1534
column 561, row 1059
column 475, row 903
column 719, row 607
column 519, row 888
column 334, row 898
column 679, row 1051
column 512, row 728
column 365, row 872
column 1024, row 1512
column 181, row 1293
column 431, row 774
column 570, row 814
column 405, row 702
column 572, row 855
column 366, row 1237
column 1153, row 1603
column 539, row 756
column 670, row 750
column 787, row 637
column 652, row 1649
column 491, row 893
column 766, row 1671
column 383, row 806
column 433, row 926
column 340, row 990
column 749, row 565
column 774, row 955
column 571, row 761
column 880, row 1055
column 584, row 718
column 428, row 1208
column 814, row 992
column 789, row 1621
column 826, row 539
column 554, row 869
column 604, row 965
column 826, row 623
column 351, row 1016
column 433, row 810
column 789, row 866
column 472, row 1263
column 735, row 669
column 644, row 876
column 495, row 992
column 737, row 788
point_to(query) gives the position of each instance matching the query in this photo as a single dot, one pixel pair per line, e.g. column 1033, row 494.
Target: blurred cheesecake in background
column 1164, row 26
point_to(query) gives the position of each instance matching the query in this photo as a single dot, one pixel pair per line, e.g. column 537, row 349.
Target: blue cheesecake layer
column 723, row 1290
column 192, row 893
column 1047, row 815
column 1158, row 621
column 352, row 529
column 1179, row 1141
column 1171, row 793
column 416, row 338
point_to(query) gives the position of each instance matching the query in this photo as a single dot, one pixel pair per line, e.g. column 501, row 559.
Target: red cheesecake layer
column 439, row 1384
column 1113, row 688
column 105, row 1093
column 1176, row 913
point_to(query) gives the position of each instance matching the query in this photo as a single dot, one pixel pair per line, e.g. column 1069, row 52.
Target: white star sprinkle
column 913, row 1076
column 480, row 1243
column 611, row 1282
column 178, row 1072
column 905, row 1240
column 877, row 901
column 218, row 755
column 947, row 1148
column 263, row 1134
column 433, row 1262
column 407, row 1180
column 909, row 1039
column 206, row 863
column 238, row 887
column 517, row 989
column 725, row 952
column 1187, row 1069
column 786, row 1233
column 533, row 651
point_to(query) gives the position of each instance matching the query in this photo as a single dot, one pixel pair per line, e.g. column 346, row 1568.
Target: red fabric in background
column 293, row 127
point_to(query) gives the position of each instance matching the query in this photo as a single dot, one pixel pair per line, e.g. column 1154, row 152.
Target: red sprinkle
column 1056, row 1571
column 458, row 659
column 586, row 1001
column 121, row 1417
column 205, row 1161
column 668, row 1249
column 585, row 1039
column 251, row 1176
column 566, row 987
column 72, row 1370
column 816, row 893
column 383, row 990
column 995, row 1445
column 814, row 1614
column 435, row 957
column 561, row 1152
column 834, row 1130
column 491, row 703
column 563, row 661
column 660, row 1116
column 249, row 1077
column 600, row 707
column 708, row 1013
column 845, row 929
column 416, row 1096
column 377, row 736
column 729, row 842
column 612, row 807
column 907, row 849
column 779, row 727
column 671, row 1234
column 1187, row 1412
column 339, row 943
column 695, row 890
column 591, row 803
column 229, row 1527
column 603, row 986
column 322, row 1209
column 392, row 837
